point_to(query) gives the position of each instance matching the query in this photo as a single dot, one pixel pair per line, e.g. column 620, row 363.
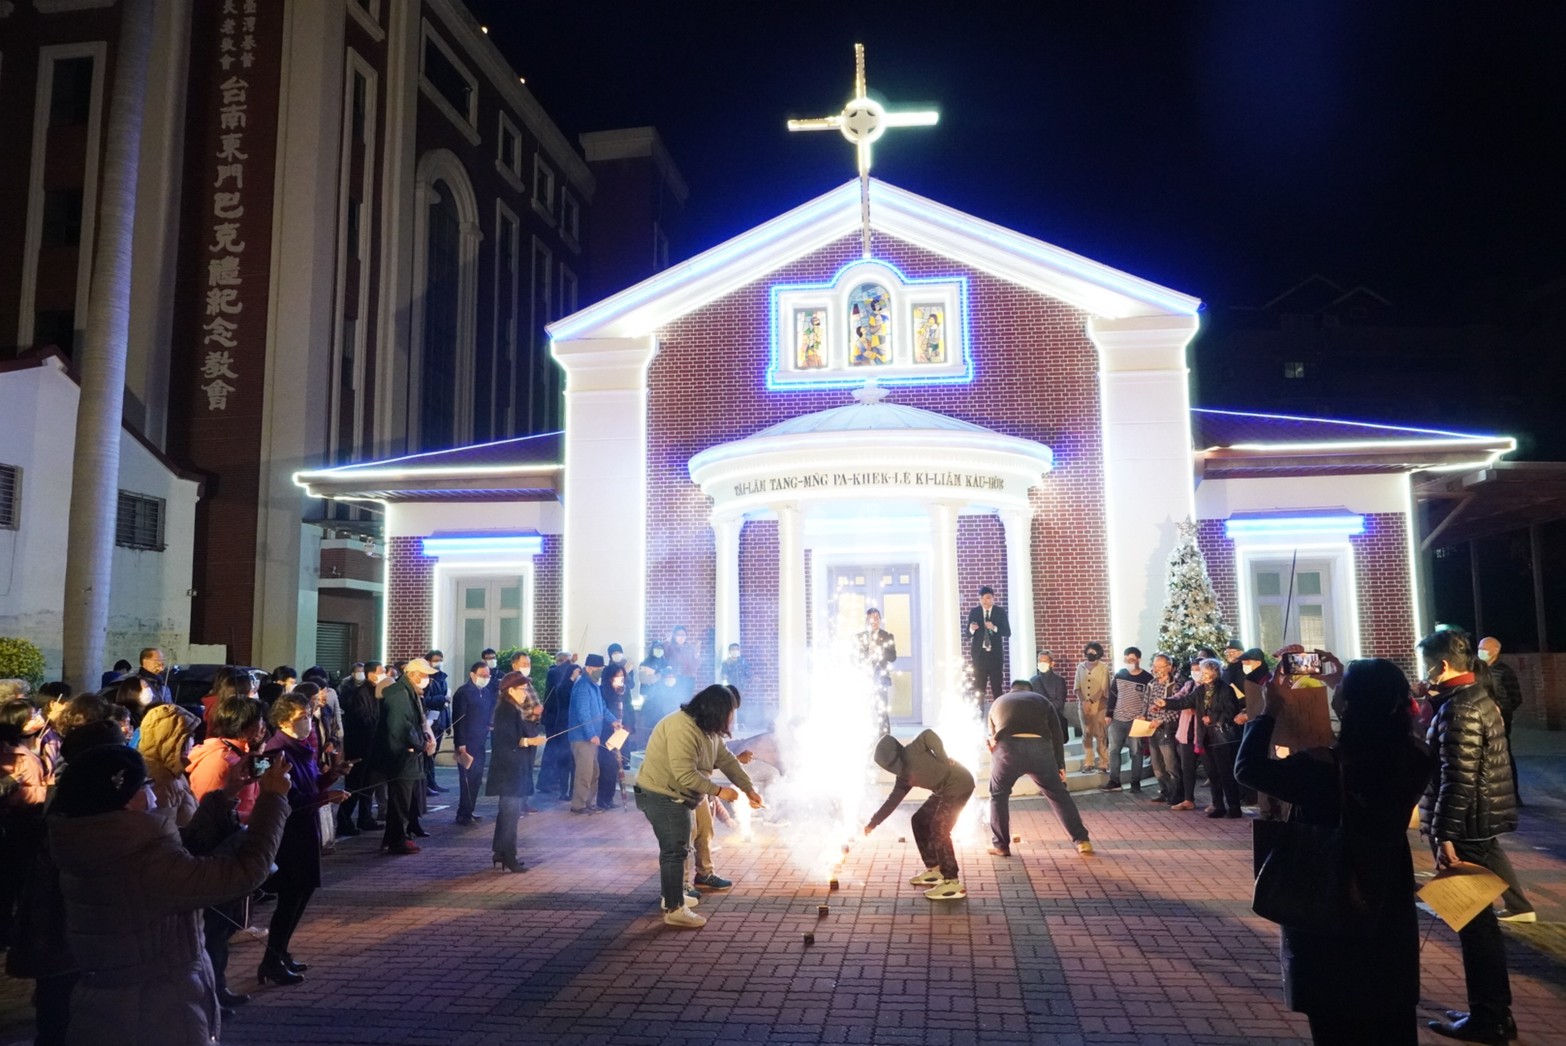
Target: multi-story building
column 353, row 221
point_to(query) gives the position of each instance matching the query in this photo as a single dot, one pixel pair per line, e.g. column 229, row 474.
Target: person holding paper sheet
column 1127, row 702
column 617, row 700
column 472, row 708
column 590, row 724
column 1384, row 770
column 1467, row 806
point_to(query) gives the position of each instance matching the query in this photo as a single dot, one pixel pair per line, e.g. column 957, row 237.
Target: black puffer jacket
column 1470, row 795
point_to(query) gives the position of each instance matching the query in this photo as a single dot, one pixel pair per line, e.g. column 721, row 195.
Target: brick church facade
column 763, row 441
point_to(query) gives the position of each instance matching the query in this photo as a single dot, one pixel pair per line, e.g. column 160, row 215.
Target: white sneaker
column 684, row 919
column 1085, row 848
column 928, row 877
column 692, row 898
column 947, row 890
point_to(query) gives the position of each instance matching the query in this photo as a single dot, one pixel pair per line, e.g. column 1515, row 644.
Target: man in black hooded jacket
column 1468, row 805
column 923, row 763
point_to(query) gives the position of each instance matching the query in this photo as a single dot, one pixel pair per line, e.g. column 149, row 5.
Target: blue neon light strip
column 852, row 380
column 1338, row 525
column 487, row 544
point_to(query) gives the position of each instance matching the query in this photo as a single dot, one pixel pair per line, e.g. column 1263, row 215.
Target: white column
column 946, row 644
column 1019, row 589
column 1149, row 463
column 791, row 607
column 726, row 530
column 605, row 596
column 302, row 272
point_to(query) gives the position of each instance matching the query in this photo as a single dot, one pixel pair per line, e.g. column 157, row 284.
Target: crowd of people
column 140, row 835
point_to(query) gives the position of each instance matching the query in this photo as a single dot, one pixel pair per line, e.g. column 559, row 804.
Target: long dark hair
column 712, row 709
column 1376, row 708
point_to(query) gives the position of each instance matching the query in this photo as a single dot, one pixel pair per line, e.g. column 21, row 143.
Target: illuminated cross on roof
column 863, row 121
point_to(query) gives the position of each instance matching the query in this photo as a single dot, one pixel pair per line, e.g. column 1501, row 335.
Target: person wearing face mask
column 518, row 734
column 590, row 725
column 472, row 708
column 135, row 696
column 617, row 700
column 554, row 776
column 1127, row 703
column 360, row 711
column 397, row 754
column 298, row 858
column 682, row 655
column 437, row 713
column 1052, row 688
column 1091, row 687
column 1219, row 717
column 1506, row 689
column 1467, row 806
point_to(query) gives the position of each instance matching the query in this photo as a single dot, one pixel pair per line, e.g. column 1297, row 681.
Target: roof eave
column 1085, row 284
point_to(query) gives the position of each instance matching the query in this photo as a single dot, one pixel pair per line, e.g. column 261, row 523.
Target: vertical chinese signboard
column 224, row 299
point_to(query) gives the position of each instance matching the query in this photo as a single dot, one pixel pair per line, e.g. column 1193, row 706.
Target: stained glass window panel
column 870, row 326
column 929, row 323
column 809, row 339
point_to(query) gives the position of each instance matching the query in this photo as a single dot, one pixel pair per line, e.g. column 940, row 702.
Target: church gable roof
column 1081, row 282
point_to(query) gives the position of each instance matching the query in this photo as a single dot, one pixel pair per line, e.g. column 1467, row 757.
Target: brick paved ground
column 1151, row 941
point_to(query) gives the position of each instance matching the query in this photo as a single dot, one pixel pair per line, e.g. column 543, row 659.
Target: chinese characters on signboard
column 224, row 300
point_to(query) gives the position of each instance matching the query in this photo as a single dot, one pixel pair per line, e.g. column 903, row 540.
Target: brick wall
column 1386, row 613
column 410, row 576
column 411, row 579
column 548, row 574
column 1036, row 378
column 1386, row 591
column 1543, row 679
column 981, row 560
column 1219, row 553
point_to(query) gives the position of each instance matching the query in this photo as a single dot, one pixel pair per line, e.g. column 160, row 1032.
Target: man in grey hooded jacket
column 923, row 763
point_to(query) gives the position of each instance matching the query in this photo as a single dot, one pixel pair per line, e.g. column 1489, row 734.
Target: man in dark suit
column 877, row 653
column 988, row 630
column 472, row 708
column 401, row 743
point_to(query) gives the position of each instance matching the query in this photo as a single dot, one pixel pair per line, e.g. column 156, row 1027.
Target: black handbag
column 1315, row 877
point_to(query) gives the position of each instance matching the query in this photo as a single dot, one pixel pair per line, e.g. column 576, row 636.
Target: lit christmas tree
column 1191, row 615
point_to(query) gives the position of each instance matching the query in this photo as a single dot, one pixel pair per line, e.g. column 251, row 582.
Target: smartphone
column 259, row 764
column 1305, row 664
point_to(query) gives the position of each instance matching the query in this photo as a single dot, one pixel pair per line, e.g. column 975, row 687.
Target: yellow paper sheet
column 1461, row 892
column 1143, row 727
column 617, row 740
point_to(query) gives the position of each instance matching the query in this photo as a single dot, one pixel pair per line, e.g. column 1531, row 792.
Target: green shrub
column 541, row 661
column 21, row 659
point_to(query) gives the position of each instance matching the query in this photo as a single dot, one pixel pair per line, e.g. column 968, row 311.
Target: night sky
column 1224, row 149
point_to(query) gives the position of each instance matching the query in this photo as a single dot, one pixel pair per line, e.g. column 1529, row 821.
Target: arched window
column 440, row 371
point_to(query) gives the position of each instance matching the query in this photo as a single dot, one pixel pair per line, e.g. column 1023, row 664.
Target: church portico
column 866, row 500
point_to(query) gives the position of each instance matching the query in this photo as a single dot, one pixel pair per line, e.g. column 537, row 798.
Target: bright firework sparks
column 962, row 731
column 827, row 749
